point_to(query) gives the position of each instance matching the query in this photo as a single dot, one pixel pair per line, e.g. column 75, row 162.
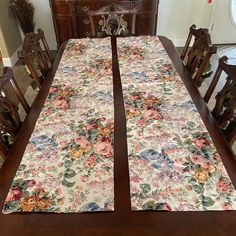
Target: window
column 233, row 11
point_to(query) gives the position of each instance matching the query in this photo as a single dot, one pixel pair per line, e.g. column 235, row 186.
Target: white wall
column 176, row 16
column 224, row 30
column 43, row 20
column 10, row 39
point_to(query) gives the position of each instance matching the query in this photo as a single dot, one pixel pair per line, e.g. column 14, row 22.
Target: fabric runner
column 173, row 164
column 68, row 163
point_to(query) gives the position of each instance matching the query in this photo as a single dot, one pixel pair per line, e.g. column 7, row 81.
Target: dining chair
column 6, row 79
column 112, row 22
column 197, row 57
column 224, row 110
column 9, row 125
column 36, row 56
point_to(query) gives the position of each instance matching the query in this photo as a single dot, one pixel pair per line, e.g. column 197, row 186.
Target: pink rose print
column 166, row 207
column 152, row 114
column 31, row 183
column 103, row 148
column 62, row 104
column 227, row 206
column 84, row 178
column 92, row 126
column 91, row 161
column 201, row 142
column 224, row 186
column 14, row 194
column 53, row 90
column 83, row 142
column 142, row 122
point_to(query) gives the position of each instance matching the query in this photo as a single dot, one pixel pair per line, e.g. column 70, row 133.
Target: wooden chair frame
column 198, row 56
column 8, row 76
column 33, row 53
column 225, row 108
column 112, row 12
column 8, row 127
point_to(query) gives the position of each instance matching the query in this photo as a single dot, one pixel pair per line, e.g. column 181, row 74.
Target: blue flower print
column 158, row 160
column 139, row 76
column 91, row 206
column 190, row 104
column 67, row 70
column 43, row 142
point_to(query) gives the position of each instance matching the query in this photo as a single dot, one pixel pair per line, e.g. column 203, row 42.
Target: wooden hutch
column 71, row 20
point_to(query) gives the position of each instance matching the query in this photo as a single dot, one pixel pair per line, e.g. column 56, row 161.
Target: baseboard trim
column 11, row 61
column 179, row 42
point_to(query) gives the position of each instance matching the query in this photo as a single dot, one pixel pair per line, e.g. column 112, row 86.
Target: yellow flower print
column 44, row 203
column 61, row 201
column 76, row 153
column 132, row 113
column 29, row 203
column 201, row 175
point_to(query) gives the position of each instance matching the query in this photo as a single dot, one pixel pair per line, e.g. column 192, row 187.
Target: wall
column 3, row 45
column 10, row 39
column 175, row 18
column 43, row 20
column 224, row 30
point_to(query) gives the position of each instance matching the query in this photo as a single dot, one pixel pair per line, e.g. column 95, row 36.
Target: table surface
column 122, row 221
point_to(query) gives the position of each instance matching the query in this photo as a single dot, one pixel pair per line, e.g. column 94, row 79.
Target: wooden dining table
column 123, row 221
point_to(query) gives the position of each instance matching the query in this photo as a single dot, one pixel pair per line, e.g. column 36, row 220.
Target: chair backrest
column 221, row 67
column 9, row 125
column 36, row 56
column 8, row 78
column 113, row 22
column 198, row 56
column 225, row 108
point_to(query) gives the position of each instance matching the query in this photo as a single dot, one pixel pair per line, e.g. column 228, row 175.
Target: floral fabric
column 173, row 164
column 68, row 163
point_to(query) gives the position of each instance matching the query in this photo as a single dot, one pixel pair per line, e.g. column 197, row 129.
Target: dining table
column 120, row 210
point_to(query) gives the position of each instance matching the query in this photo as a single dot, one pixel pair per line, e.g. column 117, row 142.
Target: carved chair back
column 225, row 108
column 8, row 78
column 113, row 22
column 36, row 56
column 198, row 56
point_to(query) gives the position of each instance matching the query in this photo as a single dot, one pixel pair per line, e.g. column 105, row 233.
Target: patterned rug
column 68, row 163
column 173, row 163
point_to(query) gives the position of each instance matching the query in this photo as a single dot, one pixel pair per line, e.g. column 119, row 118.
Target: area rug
column 68, row 163
column 173, row 164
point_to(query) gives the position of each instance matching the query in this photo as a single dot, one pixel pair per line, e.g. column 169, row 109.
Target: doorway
column 223, row 22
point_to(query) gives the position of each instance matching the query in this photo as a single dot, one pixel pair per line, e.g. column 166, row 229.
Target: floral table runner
column 173, row 164
column 68, row 163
